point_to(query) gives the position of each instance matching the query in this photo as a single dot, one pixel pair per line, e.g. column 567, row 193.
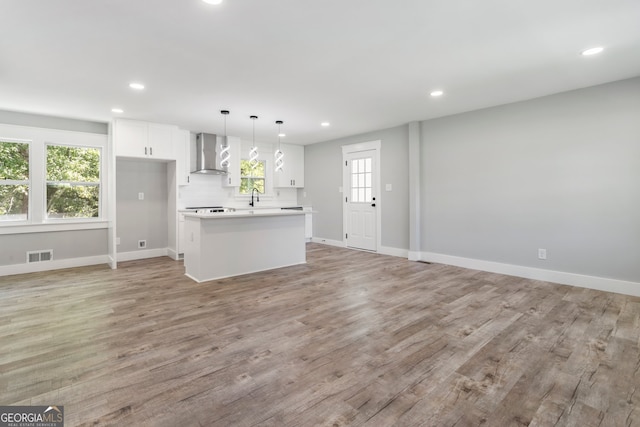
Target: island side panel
column 192, row 251
column 233, row 246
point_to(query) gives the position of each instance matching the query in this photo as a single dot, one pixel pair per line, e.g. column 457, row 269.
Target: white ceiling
column 359, row 64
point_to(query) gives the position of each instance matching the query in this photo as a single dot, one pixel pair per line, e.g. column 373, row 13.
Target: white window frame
column 264, row 162
column 100, row 185
column 38, row 139
column 265, row 153
column 19, row 182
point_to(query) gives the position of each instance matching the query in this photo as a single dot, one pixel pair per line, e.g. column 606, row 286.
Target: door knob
column 373, row 204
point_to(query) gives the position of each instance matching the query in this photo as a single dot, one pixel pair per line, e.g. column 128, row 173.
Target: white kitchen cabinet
column 143, row 140
column 308, row 224
column 292, row 174
column 181, row 238
column 182, row 146
column 232, row 178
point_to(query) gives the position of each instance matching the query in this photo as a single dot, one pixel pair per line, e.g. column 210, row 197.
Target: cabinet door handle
column 145, row 151
column 151, row 151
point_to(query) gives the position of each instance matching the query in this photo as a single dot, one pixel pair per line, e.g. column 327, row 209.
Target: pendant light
column 253, row 153
column 279, row 155
column 225, row 154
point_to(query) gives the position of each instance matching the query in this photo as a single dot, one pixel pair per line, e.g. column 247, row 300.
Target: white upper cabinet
column 160, row 141
column 232, row 178
column 292, row 174
column 182, row 146
column 134, row 138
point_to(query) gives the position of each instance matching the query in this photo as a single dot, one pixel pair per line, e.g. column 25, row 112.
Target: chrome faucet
column 257, row 196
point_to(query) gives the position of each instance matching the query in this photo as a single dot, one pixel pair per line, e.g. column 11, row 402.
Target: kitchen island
column 225, row 244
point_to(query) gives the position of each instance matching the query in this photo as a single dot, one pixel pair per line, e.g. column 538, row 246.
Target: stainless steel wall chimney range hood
column 208, row 155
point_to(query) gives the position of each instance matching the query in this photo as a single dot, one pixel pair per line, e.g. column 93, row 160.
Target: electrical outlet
column 117, row 240
column 542, row 254
column 142, row 244
column 388, row 187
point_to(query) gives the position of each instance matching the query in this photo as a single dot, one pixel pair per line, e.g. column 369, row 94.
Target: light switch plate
column 140, row 196
column 388, row 187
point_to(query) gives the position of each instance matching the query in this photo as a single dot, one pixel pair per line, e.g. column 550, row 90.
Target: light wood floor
column 350, row 338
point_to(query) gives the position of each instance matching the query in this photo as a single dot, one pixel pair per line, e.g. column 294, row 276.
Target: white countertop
column 250, row 213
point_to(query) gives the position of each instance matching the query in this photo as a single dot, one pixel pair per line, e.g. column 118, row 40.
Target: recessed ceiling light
column 437, row 93
column 592, row 51
column 325, row 124
column 117, row 110
column 136, row 86
column 282, row 135
column 212, row 1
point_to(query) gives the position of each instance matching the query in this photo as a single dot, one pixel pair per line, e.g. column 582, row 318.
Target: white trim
column 388, row 250
column 173, row 254
column 580, row 280
column 53, row 226
column 243, row 274
column 38, row 139
column 354, row 148
column 329, row 242
column 33, row 267
column 414, row 256
column 148, row 253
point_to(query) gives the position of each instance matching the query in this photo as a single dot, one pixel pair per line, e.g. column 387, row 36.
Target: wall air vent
column 39, row 256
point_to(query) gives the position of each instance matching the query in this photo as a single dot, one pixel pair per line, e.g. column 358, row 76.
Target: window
column 251, row 178
column 361, row 180
column 14, row 181
column 73, row 182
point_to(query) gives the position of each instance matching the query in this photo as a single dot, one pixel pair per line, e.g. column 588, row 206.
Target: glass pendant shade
column 225, row 152
column 279, row 155
column 253, row 152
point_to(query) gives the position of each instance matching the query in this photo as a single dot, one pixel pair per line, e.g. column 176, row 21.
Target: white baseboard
column 329, row 242
column 55, row 264
column 414, row 256
column 173, row 254
column 387, row 250
column 563, row 278
column 143, row 254
column 384, row 250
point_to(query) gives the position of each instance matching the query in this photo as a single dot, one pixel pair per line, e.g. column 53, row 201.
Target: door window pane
column 361, row 189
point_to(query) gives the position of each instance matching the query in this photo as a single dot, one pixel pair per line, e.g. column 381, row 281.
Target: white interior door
column 360, row 199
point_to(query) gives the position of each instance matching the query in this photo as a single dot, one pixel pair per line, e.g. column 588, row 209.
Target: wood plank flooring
column 349, row 339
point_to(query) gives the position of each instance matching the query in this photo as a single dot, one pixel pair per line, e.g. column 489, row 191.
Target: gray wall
column 65, row 245
column 49, row 122
column 323, row 177
column 141, row 219
column 560, row 172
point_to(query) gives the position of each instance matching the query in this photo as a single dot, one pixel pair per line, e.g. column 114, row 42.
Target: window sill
column 23, row 228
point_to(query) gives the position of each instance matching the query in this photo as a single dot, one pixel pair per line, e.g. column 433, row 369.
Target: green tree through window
column 73, row 182
column 14, row 181
column 251, row 178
